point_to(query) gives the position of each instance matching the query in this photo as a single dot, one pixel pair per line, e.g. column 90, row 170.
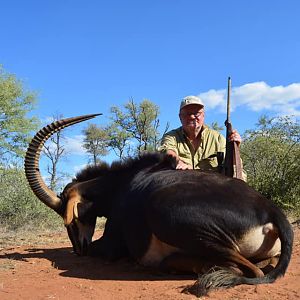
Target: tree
column 15, row 125
column 95, row 142
column 138, row 122
column 216, row 126
column 271, row 155
column 119, row 140
column 55, row 152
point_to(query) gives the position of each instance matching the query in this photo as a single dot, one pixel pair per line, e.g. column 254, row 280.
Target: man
column 194, row 145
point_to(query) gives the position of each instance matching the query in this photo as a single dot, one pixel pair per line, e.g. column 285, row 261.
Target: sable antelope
column 189, row 221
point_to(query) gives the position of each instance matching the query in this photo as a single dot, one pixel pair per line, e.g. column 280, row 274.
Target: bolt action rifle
column 232, row 164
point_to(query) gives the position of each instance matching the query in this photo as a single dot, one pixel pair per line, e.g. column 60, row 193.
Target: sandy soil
column 49, row 270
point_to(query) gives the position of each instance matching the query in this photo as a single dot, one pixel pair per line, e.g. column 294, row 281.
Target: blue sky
column 85, row 56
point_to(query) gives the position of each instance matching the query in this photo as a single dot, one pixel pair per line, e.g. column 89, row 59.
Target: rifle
column 232, row 164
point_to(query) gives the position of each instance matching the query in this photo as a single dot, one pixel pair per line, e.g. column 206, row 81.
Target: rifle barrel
column 228, row 99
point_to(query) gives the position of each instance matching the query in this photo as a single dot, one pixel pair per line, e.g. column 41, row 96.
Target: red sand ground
column 48, row 270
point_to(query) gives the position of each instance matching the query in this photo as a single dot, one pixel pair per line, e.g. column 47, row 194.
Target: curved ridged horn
column 32, row 157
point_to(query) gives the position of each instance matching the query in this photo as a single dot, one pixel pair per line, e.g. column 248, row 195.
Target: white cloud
column 78, row 168
column 73, row 145
column 257, row 96
column 48, row 120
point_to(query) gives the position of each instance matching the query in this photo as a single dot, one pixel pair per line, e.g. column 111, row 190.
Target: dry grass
column 37, row 236
column 7, row 264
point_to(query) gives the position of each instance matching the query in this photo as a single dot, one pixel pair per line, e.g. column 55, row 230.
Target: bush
column 271, row 155
column 19, row 207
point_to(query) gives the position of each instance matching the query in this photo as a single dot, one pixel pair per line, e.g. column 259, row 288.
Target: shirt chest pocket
column 184, row 152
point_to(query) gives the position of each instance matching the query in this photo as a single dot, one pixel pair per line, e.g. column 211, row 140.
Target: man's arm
column 180, row 165
column 169, row 146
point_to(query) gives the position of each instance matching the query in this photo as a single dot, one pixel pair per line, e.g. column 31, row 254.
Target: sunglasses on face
column 189, row 114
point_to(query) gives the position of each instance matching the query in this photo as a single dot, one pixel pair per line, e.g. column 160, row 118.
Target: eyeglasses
column 189, row 114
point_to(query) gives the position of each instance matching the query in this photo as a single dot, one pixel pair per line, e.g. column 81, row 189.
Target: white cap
column 188, row 100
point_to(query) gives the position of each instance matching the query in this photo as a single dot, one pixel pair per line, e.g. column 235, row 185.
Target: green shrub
column 271, row 155
column 19, row 207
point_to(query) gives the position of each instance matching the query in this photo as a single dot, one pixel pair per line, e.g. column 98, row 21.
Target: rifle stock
column 232, row 164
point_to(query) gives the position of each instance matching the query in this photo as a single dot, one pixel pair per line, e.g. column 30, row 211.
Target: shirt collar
column 205, row 127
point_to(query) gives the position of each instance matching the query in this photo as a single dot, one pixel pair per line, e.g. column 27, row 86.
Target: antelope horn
column 32, row 157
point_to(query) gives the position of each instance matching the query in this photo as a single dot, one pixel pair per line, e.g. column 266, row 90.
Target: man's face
column 192, row 117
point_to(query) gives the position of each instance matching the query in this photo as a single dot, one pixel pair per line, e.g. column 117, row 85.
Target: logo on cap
column 190, row 100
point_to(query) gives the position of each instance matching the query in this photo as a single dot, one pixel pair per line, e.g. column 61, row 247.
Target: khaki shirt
column 205, row 157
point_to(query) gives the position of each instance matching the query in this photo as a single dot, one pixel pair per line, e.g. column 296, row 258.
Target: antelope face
column 80, row 221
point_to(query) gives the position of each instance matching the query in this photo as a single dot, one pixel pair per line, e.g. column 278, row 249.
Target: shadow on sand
column 92, row 268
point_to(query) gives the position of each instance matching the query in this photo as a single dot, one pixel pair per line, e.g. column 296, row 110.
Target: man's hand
column 235, row 137
column 183, row 166
column 180, row 165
